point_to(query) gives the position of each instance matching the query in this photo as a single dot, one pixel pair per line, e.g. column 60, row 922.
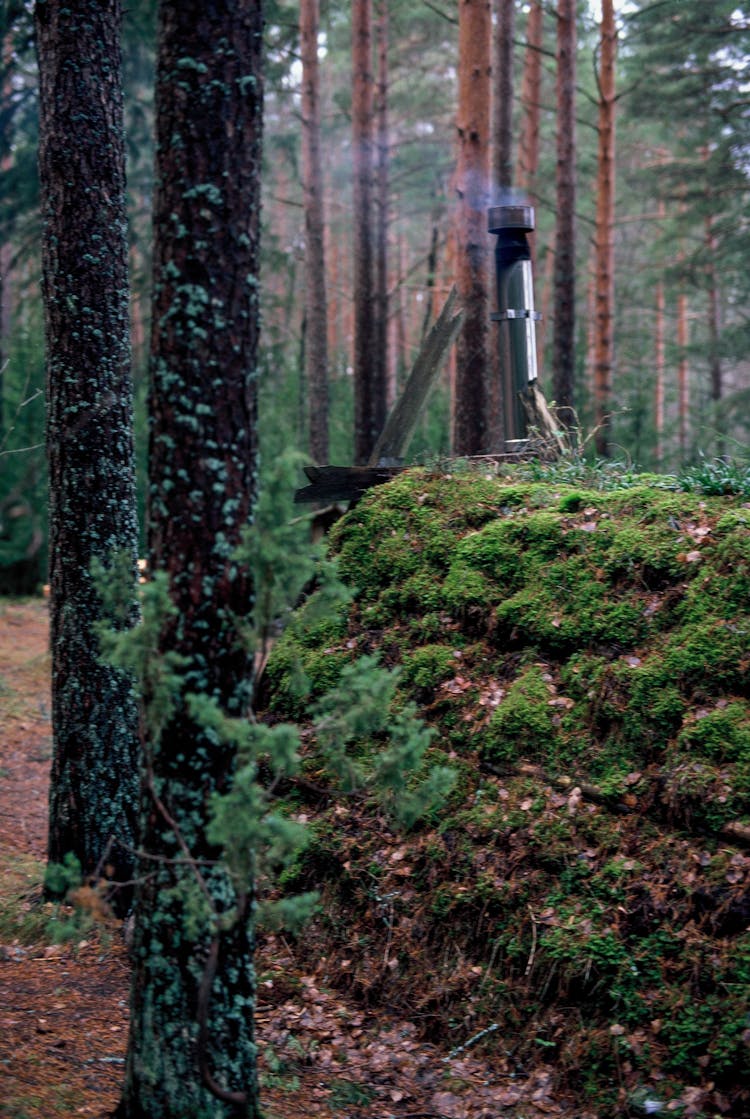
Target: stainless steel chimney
column 515, row 316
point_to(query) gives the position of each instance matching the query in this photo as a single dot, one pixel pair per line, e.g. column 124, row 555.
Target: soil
column 64, row 1007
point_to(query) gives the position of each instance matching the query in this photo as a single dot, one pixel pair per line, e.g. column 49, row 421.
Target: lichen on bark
column 192, row 1050
column 92, row 510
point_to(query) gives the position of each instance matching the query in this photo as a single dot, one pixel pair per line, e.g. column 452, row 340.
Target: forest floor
column 64, row 1005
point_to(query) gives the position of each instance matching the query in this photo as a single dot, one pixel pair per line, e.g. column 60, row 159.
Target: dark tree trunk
column 502, row 153
column 381, row 208
column 316, row 307
column 93, row 792
column 369, row 394
column 714, row 334
column 470, row 403
column 604, row 296
column 659, row 367
column 502, row 174
column 192, row 1050
column 564, row 314
column 683, row 374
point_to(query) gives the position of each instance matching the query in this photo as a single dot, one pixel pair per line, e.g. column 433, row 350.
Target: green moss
column 603, row 633
column 429, row 666
column 522, row 726
column 721, row 734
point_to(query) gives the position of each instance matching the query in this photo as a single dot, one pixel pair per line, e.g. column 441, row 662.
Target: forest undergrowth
column 581, row 901
column 567, row 933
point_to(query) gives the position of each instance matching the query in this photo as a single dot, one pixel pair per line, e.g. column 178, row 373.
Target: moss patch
column 583, row 654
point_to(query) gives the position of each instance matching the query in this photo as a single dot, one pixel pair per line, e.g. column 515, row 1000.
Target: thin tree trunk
column 6, row 163
column 531, row 93
column 683, row 371
column 400, row 346
column 470, row 402
column 316, row 305
column 92, row 508
column 659, row 368
column 502, row 160
column 547, row 299
column 382, row 201
column 369, row 391
column 605, row 220
column 431, row 271
column 334, row 283
column 565, row 261
column 714, row 332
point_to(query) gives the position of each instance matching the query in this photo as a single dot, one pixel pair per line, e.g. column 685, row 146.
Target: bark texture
column 316, row 305
column 563, row 359
column 531, row 92
column 381, row 207
column 192, row 1052
column 604, row 295
column 502, row 159
column 92, row 511
column 369, row 390
column 471, row 385
column 683, row 376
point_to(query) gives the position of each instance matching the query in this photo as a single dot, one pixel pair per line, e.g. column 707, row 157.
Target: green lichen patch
column 582, row 654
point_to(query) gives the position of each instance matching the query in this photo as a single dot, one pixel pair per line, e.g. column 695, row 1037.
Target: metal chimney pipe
column 515, row 315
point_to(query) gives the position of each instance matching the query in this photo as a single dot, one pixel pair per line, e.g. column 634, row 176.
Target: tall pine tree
column 92, row 515
column 191, row 1050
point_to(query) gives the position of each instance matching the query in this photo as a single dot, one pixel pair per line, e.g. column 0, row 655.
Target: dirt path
column 63, row 1007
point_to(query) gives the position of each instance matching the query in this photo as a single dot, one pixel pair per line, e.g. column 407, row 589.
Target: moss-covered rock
column 584, row 657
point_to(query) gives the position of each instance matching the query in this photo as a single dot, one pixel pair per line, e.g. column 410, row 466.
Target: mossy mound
column 584, row 657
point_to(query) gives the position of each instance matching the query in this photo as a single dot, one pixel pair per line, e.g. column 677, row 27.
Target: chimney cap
column 510, row 217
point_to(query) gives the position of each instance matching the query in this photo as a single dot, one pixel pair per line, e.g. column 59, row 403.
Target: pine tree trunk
column 431, row 269
column 563, row 361
column 683, row 371
column 714, row 333
column 381, row 206
column 92, row 510
column 531, row 92
column 192, row 1052
column 471, row 386
column 316, row 306
column 605, row 246
column 6, row 163
column 502, row 174
column 659, row 369
column 369, row 393
column 502, row 131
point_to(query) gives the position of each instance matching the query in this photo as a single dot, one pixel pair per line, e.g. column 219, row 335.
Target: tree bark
column 683, row 370
column 565, row 263
column 92, row 509
column 659, row 367
column 316, row 306
column 369, row 393
column 471, row 386
column 381, row 207
column 502, row 161
column 502, row 175
column 192, row 1050
column 604, row 298
column 531, row 93
column 714, row 333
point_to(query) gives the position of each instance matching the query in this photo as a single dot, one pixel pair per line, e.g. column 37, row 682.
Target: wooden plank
column 400, row 426
column 342, row 483
column 348, row 483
